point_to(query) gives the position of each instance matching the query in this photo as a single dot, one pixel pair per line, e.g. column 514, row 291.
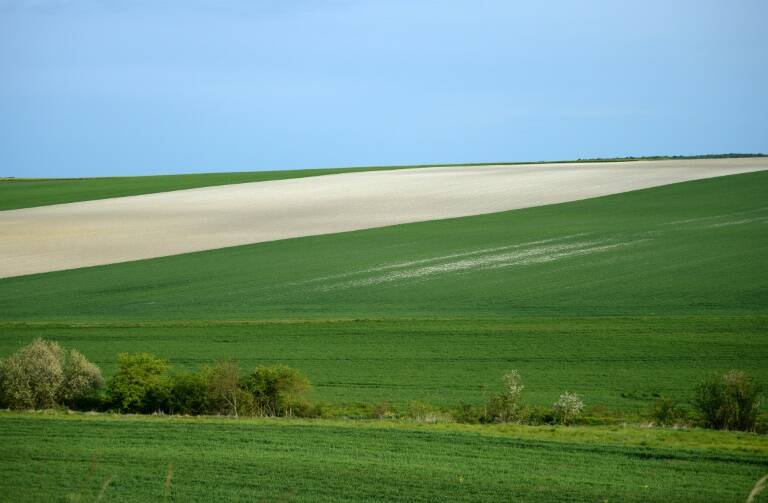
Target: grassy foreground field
column 162, row 459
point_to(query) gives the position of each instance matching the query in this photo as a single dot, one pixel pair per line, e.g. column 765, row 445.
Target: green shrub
column 141, row 383
column 305, row 408
column 276, row 390
column 728, row 402
column 506, row 406
column 537, row 415
column 467, row 413
column 81, row 379
column 381, row 411
column 189, row 393
column 32, row 377
column 223, row 392
column 42, row 375
column 666, row 412
column 567, row 408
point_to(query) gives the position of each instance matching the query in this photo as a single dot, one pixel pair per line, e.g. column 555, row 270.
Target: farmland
column 620, row 362
column 18, row 193
column 689, row 248
column 142, row 227
column 638, row 253
column 623, row 299
column 141, row 459
column 32, row 192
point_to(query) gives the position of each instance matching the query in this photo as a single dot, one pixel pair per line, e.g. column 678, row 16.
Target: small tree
column 224, row 393
column 189, row 393
column 728, row 402
column 141, row 383
column 276, row 389
column 665, row 412
column 81, row 377
column 506, row 406
column 43, row 375
column 567, row 408
column 32, row 377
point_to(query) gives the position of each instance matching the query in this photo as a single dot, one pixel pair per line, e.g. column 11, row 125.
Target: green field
column 622, row 299
column 622, row 363
column 160, row 459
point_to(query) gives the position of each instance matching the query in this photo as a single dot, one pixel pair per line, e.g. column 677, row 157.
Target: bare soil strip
column 67, row 236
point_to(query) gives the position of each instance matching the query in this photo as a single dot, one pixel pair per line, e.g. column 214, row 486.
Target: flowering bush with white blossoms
column 507, row 406
column 513, row 385
column 568, row 407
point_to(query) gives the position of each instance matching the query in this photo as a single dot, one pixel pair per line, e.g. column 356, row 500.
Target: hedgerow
column 43, row 375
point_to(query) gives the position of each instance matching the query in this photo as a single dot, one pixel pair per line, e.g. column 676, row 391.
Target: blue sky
column 98, row 88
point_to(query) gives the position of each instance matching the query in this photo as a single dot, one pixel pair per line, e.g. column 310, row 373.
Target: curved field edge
column 17, row 193
column 689, row 248
column 141, row 459
column 30, row 192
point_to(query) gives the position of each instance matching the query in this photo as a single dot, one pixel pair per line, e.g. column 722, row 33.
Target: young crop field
column 621, row 363
column 160, row 459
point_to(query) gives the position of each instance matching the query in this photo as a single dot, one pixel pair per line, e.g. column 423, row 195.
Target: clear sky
column 97, row 88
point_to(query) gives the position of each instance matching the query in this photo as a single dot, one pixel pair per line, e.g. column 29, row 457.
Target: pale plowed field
column 66, row 236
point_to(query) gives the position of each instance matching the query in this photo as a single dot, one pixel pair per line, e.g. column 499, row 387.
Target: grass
column 622, row 363
column 16, row 193
column 145, row 458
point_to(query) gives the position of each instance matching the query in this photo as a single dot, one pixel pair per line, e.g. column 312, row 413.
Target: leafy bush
column 728, row 402
column 276, row 390
column 567, row 408
column 468, row 413
column 141, row 383
column 537, row 415
column 189, row 393
column 666, row 412
column 32, row 377
column 381, row 411
column 506, row 406
column 42, row 375
column 81, row 377
column 224, row 394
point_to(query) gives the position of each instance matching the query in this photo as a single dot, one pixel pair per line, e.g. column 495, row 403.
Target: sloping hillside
column 696, row 247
